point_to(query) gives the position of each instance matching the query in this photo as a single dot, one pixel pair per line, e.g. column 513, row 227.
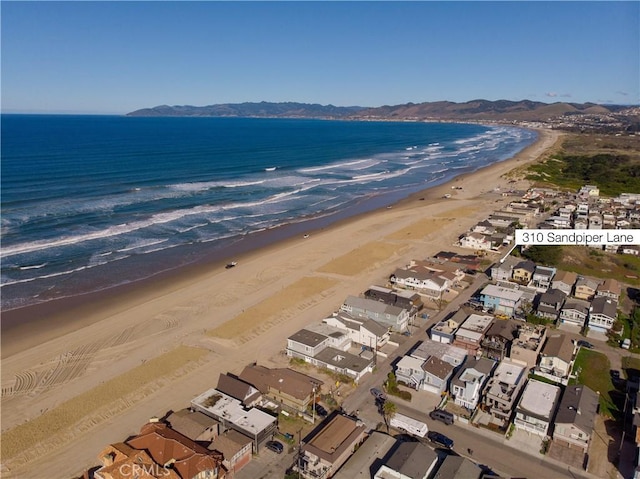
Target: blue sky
column 115, row 57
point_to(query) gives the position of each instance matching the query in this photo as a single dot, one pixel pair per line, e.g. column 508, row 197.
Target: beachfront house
column 467, row 384
column 327, row 347
column 476, row 241
column 393, row 317
column 502, row 390
column 194, row 425
column 603, row 313
column 283, row 387
column 500, row 299
column 156, row 447
column 231, row 414
column 362, row 331
column 426, row 282
column 324, row 450
column 536, row 407
column 574, row 312
column 408, row 300
column 575, row 419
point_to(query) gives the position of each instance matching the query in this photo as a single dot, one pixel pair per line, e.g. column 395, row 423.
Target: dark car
column 442, row 416
column 379, row 395
column 275, row 446
column 320, row 410
column 584, row 344
column 440, row 439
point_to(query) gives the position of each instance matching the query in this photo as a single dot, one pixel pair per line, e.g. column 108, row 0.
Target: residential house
column 559, row 222
column 537, row 407
column 368, row 457
column 436, row 375
column 586, row 288
column 630, row 249
column 457, row 467
column 468, row 382
column 186, row 457
column 550, row 303
column 408, row 300
column 361, row 331
column 574, row 422
column 411, row 460
column 564, row 281
column 502, row 390
column 326, row 448
column 610, row 288
column 447, row 352
column 391, row 316
column 523, row 271
column 229, row 412
column 426, row 282
column 236, row 449
column 194, row 425
column 603, row 313
column 243, row 392
column 119, row 457
column 289, row 389
column 471, row 332
column 595, row 221
column 503, row 271
column 500, row 299
column 527, row 346
column 581, row 224
column 484, row 227
column 542, row 278
column 574, row 312
column 343, row 362
column 498, row 338
column 409, row 371
column 556, row 357
column 589, row 191
column 444, row 331
column 476, row 241
column 306, row 343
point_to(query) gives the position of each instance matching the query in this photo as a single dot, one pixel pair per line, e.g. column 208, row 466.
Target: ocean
column 90, row 202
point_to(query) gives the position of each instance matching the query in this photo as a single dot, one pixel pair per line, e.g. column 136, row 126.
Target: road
column 488, row 448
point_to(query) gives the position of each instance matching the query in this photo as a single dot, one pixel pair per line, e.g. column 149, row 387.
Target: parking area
column 266, row 465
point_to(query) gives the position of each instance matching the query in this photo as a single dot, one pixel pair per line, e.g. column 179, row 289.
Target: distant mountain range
column 476, row 110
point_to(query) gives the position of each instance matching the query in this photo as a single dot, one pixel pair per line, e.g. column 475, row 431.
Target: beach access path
column 113, row 364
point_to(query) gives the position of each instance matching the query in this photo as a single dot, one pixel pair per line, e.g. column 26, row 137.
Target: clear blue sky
column 115, row 57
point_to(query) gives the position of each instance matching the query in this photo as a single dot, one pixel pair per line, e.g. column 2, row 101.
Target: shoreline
column 29, row 326
column 150, row 348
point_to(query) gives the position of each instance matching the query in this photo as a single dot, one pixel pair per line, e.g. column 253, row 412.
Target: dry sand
column 111, row 349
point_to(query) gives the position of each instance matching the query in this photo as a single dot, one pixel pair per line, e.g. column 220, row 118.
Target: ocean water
column 89, row 202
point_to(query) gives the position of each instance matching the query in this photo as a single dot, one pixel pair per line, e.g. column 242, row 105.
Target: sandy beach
column 80, row 374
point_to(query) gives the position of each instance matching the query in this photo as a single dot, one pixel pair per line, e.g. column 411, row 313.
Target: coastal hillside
column 559, row 115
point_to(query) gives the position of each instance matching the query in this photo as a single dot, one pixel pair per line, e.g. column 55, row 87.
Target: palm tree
column 389, row 409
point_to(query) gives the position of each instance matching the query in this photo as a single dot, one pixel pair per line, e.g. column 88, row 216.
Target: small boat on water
column 271, row 168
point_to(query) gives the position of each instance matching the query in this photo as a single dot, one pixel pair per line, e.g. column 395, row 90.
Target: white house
column 536, row 407
column 466, row 386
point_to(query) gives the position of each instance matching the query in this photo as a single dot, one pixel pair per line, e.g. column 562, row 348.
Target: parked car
column 584, row 344
column 275, row 446
column 320, row 410
column 442, row 416
column 440, row 439
column 379, row 395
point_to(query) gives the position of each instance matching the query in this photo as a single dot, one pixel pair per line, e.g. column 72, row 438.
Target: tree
column 389, row 409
